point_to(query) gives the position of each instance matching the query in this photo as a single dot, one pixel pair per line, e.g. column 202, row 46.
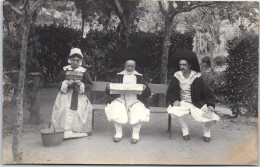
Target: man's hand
column 210, row 108
column 176, row 103
column 144, row 87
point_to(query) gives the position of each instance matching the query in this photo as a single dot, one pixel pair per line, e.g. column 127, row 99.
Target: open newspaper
column 119, row 88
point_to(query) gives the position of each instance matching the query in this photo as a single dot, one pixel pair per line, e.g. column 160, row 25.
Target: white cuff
column 64, row 87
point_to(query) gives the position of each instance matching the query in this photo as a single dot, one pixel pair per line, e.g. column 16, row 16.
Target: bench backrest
column 155, row 88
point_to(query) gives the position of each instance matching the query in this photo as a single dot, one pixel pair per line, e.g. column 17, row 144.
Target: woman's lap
column 72, row 120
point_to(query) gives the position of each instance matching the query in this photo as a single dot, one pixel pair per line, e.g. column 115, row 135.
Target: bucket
column 52, row 136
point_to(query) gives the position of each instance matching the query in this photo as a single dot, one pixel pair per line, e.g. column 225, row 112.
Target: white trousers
column 134, row 113
column 187, row 108
column 135, row 130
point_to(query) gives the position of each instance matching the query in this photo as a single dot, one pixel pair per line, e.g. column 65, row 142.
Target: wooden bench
column 155, row 89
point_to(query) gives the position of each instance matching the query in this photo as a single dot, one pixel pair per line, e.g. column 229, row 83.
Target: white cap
column 76, row 51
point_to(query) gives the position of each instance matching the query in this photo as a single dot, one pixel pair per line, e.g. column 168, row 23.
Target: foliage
column 205, row 62
column 106, row 10
column 216, row 81
column 55, row 44
column 219, row 60
column 234, row 11
column 241, row 78
column 50, row 45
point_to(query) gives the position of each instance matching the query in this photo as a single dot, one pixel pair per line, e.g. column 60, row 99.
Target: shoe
column 206, row 139
column 186, row 138
column 116, row 139
column 134, row 141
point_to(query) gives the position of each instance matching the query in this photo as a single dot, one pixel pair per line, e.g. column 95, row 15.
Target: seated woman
column 72, row 109
column 132, row 108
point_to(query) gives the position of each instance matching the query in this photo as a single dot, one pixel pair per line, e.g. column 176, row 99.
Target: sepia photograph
column 130, row 82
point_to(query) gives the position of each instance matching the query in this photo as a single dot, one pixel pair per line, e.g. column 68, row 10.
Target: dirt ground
column 233, row 142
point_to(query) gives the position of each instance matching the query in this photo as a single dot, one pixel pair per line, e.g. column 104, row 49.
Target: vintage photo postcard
column 130, row 82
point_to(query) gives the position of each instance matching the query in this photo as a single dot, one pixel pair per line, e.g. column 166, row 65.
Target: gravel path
column 232, row 142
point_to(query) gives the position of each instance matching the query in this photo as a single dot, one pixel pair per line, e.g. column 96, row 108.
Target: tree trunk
column 127, row 40
column 169, row 25
column 16, row 146
column 83, row 17
column 34, row 100
column 164, row 59
column 124, row 21
column 165, row 55
column 211, row 49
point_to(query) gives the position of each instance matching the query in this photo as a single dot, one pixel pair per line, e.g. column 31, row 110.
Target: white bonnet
column 75, row 51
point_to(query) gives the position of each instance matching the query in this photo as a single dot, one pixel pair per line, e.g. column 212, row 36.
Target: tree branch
column 162, row 9
column 202, row 12
column 16, row 10
column 26, row 5
column 187, row 9
column 170, row 7
column 180, row 5
column 119, row 7
column 121, row 13
column 173, row 15
column 37, row 5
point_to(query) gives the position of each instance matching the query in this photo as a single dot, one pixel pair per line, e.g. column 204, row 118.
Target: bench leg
column 169, row 126
column 93, row 119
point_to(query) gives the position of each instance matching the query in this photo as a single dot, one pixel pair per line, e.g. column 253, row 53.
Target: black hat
column 136, row 54
column 188, row 56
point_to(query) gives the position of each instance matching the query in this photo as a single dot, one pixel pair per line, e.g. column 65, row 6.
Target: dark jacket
column 69, row 73
column 140, row 80
column 201, row 94
column 85, row 79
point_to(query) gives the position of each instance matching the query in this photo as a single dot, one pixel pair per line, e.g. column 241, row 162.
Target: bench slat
column 99, row 86
column 152, row 109
column 158, row 88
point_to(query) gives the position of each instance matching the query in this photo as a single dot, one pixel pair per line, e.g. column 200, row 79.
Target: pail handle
column 52, row 126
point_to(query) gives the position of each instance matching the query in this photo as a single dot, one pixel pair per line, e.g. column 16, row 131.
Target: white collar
column 190, row 79
column 79, row 69
column 125, row 73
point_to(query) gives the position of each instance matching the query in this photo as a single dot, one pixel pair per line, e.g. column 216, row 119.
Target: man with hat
column 188, row 94
column 132, row 108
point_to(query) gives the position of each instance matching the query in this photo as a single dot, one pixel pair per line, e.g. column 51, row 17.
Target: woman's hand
column 78, row 82
column 64, row 86
column 69, row 82
column 80, row 86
